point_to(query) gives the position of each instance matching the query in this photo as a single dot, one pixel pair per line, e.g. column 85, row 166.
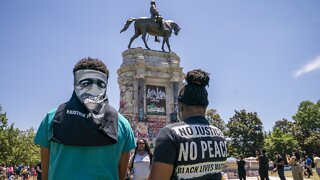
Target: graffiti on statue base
column 155, row 100
column 149, row 128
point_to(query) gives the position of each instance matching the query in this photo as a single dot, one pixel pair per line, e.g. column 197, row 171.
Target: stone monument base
column 149, row 82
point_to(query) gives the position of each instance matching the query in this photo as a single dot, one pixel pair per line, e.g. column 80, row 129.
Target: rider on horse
column 157, row 17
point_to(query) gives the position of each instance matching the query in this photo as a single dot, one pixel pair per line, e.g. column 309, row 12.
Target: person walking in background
column 316, row 161
column 39, row 171
column 25, row 173
column 10, row 171
column 140, row 161
column 191, row 148
column 308, row 166
column 279, row 162
column 3, row 172
column 18, row 171
column 85, row 138
column 263, row 165
column 295, row 163
column 241, row 168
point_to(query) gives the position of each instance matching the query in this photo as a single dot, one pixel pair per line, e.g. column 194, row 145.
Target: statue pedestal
column 149, row 82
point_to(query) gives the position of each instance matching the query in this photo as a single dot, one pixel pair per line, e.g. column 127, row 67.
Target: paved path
column 270, row 177
column 277, row 178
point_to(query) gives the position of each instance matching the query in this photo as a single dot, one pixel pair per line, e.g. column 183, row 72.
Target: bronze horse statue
column 144, row 25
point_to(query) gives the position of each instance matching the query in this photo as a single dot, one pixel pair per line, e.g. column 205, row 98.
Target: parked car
column 287, row 168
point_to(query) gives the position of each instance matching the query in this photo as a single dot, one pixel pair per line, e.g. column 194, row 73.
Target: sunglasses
column 140, row 143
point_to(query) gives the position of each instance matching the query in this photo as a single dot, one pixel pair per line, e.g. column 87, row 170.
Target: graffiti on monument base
column 155, row 123
column 155, row 100
column 142, row 129
column 152, row 109
column 149, row 128
column 126, row 95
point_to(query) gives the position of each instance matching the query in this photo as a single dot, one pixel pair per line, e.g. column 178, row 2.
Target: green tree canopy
column 285, row 126
column 23, row 150
column 4, row 141
column 280, row 141
column 307, row 121
column 245, row 133
column 214, row 119
column 16, row 146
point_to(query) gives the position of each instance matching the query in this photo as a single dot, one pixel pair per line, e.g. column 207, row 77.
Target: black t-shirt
column 279, row 160
column 38, row 165
column 263, row 162
column 196, row 149
column 241, row 163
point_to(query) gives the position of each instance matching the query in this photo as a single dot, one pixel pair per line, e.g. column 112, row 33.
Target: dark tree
column 245, row 131
column 307, row 126
column 214, row 118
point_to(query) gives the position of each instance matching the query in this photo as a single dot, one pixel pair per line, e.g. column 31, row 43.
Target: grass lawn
column 289, row 174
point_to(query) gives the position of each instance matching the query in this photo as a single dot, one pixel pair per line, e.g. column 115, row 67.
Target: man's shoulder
column 52, row 111
column 50, row 115
column 172, row 125
column 123, row 123
column 168, row 130
column 122, row 120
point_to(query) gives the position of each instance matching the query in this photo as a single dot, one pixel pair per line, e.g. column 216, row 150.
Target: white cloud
column 313, row 65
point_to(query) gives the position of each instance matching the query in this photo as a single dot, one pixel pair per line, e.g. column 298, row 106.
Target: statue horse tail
column 129, row 21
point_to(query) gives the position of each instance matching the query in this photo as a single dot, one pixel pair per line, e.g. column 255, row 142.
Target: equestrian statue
column 155, row 26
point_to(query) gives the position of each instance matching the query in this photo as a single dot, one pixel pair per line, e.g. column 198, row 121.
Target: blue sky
column 263, row 56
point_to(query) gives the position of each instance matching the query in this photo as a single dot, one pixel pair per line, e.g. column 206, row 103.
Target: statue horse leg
column 136, row 34
column 165, row 40
column 133, row 38
column 162, row 47
column 144, row 34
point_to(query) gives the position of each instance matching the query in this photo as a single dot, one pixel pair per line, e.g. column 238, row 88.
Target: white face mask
column 90, row 86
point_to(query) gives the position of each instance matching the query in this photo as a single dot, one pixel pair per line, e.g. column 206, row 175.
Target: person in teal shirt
column 85, row 138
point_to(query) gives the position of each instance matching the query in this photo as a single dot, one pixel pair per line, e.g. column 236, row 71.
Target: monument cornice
column 134, row 52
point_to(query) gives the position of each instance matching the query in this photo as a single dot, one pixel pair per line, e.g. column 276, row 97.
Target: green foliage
column 307, row 129
column 280, row 141
column 214, row 118
column 232, row 151
column 4, row 141
column 25, row 151
column 285, row 126
column 16, row 147
column 245, row 133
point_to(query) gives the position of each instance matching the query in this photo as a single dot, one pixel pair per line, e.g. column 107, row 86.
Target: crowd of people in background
column 301, row 165
column 23, row 172
column 141, row 160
